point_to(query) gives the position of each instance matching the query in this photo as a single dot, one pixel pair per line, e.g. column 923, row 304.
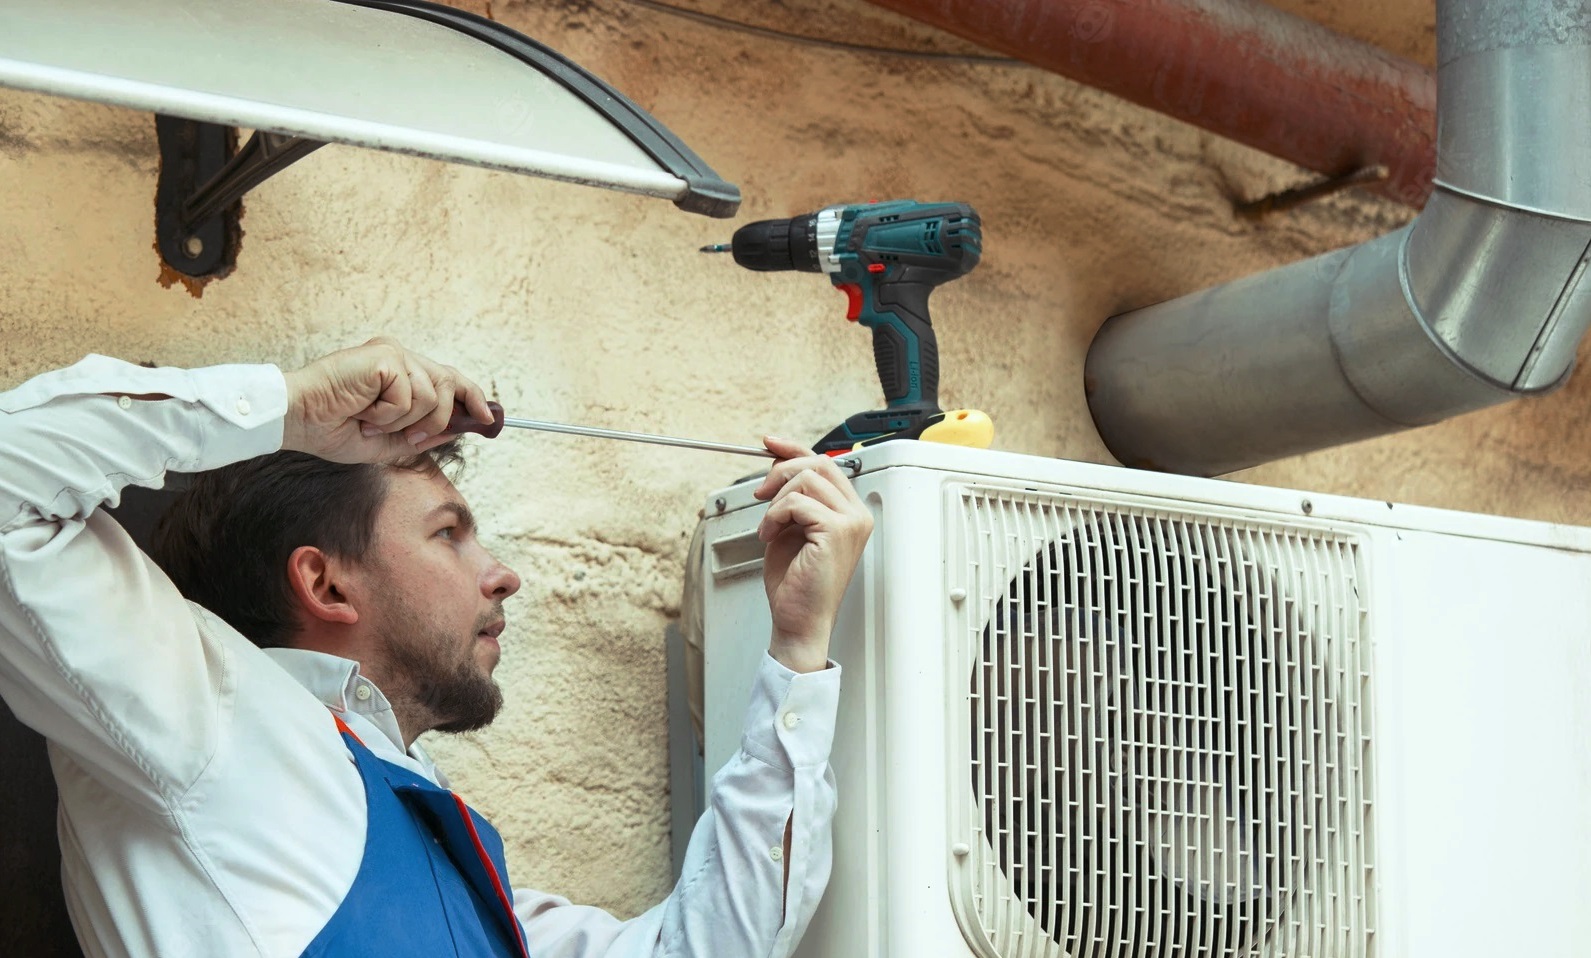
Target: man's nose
column 500, row 582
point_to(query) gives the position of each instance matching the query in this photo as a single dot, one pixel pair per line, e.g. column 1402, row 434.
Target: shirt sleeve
column 731, row 900
column 98, row 650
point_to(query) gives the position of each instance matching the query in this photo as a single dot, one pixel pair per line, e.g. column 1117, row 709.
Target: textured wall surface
column 580, row 305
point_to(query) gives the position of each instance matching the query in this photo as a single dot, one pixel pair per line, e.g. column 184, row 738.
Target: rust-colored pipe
column 1238, row 68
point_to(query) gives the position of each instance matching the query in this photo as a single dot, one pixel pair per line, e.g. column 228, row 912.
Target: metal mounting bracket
column 201, row 181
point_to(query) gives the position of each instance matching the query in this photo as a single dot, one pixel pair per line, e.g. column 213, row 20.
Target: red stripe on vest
column 497, row 881
column 343, row 727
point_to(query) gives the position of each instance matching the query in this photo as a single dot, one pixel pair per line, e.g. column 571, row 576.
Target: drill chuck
column 769, row 245
column 804, row 243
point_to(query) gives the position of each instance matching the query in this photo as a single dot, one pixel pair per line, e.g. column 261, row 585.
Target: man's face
column 438, row 602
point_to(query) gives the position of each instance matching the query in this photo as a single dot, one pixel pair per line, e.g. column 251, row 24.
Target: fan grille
column 1169, row 742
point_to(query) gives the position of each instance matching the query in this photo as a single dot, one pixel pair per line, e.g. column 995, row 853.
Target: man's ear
column 316, row 581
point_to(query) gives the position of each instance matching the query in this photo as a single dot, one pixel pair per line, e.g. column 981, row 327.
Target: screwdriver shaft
column 635, row 437
column 850, row 464
column 462, row 422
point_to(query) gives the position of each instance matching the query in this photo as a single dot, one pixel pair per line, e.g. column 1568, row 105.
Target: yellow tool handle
column 958, row 427
column 962, row 427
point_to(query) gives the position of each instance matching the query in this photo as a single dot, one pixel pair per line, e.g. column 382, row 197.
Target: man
column 244, row 780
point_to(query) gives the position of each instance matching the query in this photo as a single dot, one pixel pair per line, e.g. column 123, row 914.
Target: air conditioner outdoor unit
column 1097, row 713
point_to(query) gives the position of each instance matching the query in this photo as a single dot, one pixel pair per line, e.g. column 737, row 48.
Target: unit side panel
column 1484, row 675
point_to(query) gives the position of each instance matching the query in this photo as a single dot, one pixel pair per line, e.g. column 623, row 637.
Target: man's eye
column 446, row 532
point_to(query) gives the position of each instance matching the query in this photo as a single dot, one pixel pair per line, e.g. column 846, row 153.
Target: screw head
column 1307, row 506
column 720, row 504
column 193, row 246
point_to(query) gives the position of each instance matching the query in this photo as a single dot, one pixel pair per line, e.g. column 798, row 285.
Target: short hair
column 226, row 539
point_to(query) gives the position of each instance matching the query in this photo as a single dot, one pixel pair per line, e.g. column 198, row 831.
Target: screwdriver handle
column 463, row 422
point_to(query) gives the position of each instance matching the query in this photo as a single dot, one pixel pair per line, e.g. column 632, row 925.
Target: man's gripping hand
column 374, row 403
column 816, row 527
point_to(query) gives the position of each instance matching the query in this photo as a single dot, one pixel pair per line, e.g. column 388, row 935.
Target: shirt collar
column 339, row 686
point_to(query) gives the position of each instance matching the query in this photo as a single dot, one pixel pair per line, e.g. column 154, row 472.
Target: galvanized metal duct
column 1476, row 302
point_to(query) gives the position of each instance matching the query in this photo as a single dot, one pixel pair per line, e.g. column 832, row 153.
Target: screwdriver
column 463, row 422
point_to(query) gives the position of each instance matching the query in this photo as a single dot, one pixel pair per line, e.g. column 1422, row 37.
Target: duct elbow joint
column 1501, row 289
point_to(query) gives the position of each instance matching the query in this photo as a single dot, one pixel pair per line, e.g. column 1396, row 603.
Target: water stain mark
column 14, row 144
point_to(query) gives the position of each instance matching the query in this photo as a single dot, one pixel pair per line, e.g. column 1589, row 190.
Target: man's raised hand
column 374, row 403
column 816, row 527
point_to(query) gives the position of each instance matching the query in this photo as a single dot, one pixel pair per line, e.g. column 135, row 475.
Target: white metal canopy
column 397, row 75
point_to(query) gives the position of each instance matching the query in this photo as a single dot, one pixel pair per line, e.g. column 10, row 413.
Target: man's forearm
column 771, row 810
column 98, row 651
column 758, row 859
column 72, row 439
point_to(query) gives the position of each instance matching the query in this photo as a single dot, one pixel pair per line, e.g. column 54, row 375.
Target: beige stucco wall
column 579, row 305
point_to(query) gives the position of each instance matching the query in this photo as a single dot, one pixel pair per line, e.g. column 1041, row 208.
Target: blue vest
column 433, row 883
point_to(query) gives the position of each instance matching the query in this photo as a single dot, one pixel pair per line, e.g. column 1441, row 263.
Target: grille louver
column 1168, row 737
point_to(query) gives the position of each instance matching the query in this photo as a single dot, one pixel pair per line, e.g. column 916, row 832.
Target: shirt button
column 791, row 720
column 126, row 402
column 362, row 692
column 243, row 407
column 776, row 853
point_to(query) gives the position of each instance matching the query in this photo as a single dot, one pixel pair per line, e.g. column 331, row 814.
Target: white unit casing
column 1094, row 712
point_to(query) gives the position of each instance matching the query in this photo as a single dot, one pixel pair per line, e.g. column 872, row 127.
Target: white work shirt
column 208, row 805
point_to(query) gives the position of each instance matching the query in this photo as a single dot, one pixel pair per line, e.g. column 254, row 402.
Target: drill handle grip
column 904, row 347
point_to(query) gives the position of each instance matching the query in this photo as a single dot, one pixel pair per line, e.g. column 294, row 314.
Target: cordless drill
column 887, row 258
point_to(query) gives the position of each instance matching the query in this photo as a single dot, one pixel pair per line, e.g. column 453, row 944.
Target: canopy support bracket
column 201, row 182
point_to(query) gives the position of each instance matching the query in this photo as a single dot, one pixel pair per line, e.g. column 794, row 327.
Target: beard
column 434, row 673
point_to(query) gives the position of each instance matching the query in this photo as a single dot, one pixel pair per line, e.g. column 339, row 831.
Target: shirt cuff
column 790, row 721
column 252, row 399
